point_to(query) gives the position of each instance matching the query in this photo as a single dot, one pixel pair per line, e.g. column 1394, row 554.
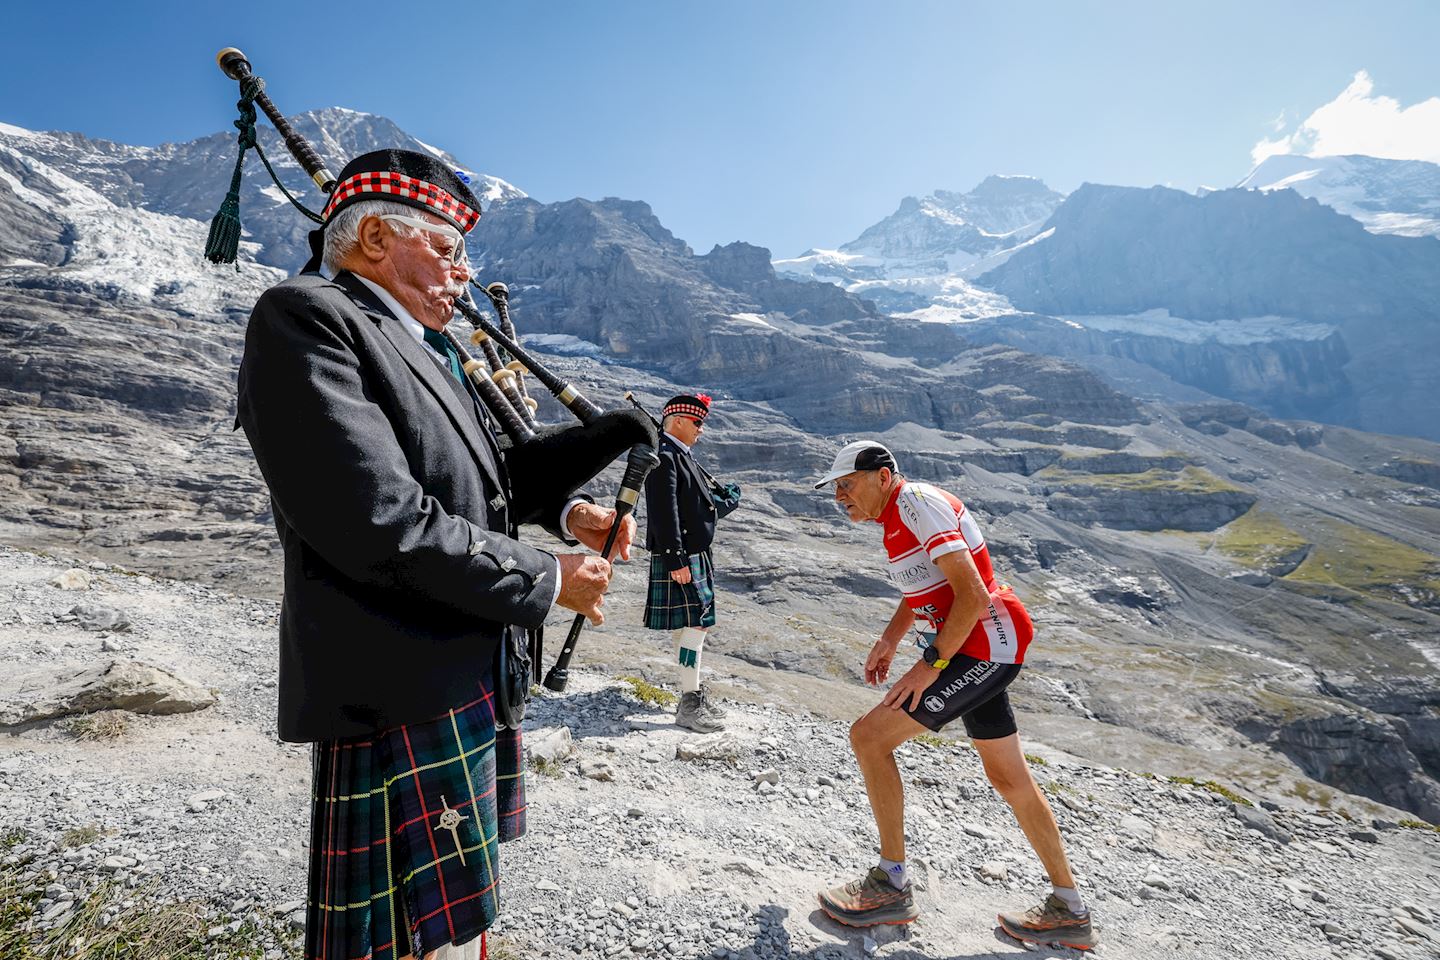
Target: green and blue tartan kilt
column 386, row 877
column 670, row 605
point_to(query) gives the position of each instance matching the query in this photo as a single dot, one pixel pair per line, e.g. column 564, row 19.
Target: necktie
column 437, row 340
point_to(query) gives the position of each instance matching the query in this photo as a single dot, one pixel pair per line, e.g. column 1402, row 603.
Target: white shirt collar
column 677, row 441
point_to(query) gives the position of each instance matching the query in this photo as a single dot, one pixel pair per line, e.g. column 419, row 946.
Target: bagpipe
column 550, row 463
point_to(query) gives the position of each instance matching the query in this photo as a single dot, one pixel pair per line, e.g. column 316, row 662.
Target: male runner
column 973, row 632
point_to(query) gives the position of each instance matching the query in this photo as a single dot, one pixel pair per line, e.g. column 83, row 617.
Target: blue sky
column 785, row 123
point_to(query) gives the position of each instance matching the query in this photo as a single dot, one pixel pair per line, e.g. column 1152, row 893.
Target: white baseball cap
column 860, row 455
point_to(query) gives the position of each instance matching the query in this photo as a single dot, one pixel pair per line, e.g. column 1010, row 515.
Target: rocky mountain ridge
column 1388, row 196
column 1257, row 294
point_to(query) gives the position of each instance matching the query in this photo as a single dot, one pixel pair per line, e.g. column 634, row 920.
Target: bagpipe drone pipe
column 550, row 463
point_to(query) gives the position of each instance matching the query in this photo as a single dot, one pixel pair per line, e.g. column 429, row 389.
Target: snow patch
column 13, row 131
column 1236, row 332
column 438, row 153
column 754, row 318
column 562, row 343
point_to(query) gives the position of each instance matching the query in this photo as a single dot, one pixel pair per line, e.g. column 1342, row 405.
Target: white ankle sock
column 896, row 870
column 689, row 642
column 1071, row 896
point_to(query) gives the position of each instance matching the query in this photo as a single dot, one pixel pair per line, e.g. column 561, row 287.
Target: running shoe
column 1051, row 922
column 869, row 901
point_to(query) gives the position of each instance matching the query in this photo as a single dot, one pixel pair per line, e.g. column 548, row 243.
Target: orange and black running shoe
column 1051, row 922
column 869, row 901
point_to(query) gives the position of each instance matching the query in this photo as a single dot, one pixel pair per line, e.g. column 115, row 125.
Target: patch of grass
column 104, row 726
column 1186, row 480
column 1411, row 824
column 80, row 836
column 1213, row 787
column 1258, row 539
column 11, row 837
column 497, row 949
column 1036, row 761
column 547, row 767
column 648, row 693
column 930, row 740
column 1372, row 565
column 144, row 930
column 1055, row 788
column 1321, row 798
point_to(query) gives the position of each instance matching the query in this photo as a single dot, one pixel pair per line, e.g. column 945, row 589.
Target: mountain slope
column 917, row 261
column 1275, row 263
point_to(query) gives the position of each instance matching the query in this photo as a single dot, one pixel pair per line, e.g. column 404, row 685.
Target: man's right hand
column 877, row 665
column 583, row 582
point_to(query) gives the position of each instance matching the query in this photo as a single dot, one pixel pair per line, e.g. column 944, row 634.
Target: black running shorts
column 974, row 691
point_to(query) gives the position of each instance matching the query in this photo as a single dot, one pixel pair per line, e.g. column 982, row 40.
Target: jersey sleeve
column 933, row 520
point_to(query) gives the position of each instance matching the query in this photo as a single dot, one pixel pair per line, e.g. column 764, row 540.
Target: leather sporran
column 514, row 676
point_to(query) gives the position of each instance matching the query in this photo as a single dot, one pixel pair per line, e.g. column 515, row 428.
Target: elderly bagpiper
column 403, row 576
column 681, row 510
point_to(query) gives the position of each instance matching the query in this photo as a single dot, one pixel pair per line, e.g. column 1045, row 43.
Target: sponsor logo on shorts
column 934, row 704
column 975, row 674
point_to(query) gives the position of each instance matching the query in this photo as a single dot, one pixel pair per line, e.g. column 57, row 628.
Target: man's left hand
column 911, row 687
column 590, row 523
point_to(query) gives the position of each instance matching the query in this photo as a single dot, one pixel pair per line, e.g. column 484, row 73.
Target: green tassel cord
column 223, row 243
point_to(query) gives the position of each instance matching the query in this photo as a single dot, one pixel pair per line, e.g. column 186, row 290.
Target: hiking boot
column 711, row 708
column 1051, row 922
column 869, row 901
column 693, row 715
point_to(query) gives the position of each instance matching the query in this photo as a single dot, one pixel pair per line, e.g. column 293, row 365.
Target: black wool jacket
column 679, row 511
column 392, row 504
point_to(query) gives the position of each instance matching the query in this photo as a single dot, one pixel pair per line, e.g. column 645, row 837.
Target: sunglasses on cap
column 457, row 251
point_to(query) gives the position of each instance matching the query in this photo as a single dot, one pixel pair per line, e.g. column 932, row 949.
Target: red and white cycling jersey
column 923, row 523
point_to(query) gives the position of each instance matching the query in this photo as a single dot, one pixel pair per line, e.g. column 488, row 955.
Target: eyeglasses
column 457, row 250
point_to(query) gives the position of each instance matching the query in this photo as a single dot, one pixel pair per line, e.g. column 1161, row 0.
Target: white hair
column 342, row 231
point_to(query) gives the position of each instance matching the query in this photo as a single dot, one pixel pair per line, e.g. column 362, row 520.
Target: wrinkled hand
column 910, row 687
column 590, row 523
column 583, row 582
column 682, row 575
column 877, row 665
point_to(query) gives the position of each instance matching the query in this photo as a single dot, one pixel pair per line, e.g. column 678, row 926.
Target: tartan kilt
column 386, row 878
column 670, row 605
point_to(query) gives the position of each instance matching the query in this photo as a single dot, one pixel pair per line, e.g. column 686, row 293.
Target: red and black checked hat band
column 403, row 176
column 685, row 405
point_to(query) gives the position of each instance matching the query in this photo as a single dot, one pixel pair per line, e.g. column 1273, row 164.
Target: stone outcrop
column 118, row 685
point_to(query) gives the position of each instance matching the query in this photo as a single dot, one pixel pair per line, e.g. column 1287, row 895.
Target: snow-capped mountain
column 188, row 180
column 918, row 261
column 1387, row 196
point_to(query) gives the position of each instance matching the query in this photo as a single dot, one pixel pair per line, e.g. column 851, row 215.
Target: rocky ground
column 645, row 840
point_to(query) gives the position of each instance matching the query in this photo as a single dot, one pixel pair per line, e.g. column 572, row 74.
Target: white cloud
column 1359, row 122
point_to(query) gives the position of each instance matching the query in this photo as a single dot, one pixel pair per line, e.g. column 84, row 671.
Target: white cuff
column 565, row 518
column 556, row 595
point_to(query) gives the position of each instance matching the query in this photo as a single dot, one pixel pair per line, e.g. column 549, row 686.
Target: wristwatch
column 931, row 655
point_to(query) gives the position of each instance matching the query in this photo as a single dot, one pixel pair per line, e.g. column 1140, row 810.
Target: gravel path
column 646, row 840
